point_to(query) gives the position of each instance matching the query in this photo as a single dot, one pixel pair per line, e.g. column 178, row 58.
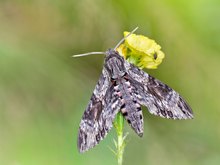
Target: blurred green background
column 43, row 91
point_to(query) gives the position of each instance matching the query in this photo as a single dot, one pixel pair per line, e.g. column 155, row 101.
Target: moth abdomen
column 133, row 114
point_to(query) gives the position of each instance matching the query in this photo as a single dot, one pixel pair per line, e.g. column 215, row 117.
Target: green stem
column 120, row 144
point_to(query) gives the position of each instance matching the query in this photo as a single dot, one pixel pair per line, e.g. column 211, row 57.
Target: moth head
column 114, row 64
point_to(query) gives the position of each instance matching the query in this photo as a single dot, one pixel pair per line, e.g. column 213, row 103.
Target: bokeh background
column 43, row 91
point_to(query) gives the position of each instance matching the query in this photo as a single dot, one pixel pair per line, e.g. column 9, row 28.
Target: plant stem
column 120, row 144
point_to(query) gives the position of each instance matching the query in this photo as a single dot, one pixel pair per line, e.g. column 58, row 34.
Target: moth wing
column 99, row 114
column 160, row 99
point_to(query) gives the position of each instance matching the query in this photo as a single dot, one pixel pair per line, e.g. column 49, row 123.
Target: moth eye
column 155, row 56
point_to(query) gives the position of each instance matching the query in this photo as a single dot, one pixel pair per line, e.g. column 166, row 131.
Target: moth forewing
column 99, row 114
column 159, row 98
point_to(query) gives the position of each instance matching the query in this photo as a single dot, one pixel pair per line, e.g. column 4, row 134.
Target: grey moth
column 124, row 88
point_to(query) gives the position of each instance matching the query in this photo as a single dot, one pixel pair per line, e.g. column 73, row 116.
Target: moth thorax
column 116, row 67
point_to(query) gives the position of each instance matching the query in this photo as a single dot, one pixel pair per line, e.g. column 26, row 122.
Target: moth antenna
column 87, row 54
column 123, row 39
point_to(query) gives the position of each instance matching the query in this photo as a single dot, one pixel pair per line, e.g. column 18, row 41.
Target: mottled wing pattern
column 99, row 114
column 160, row 99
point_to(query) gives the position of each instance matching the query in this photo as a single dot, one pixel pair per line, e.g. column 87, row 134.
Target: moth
column 124, row 88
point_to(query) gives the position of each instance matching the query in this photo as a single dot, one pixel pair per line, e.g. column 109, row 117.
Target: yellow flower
column 141, row 51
